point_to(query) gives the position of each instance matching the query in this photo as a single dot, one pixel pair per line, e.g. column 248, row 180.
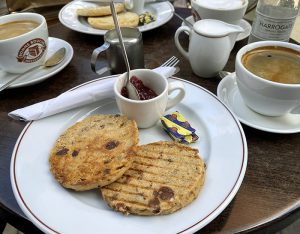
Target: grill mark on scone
column 124, row 188
column 131, row 203
column 166, row 166
column 149, row 183
column 178, row 175
column 184, row 171
column 170, row 156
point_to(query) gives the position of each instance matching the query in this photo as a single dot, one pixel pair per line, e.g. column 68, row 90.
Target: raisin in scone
column 94, row 152
column 164, row 177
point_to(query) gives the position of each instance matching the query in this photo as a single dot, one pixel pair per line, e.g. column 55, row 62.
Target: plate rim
column 192, row 228
column 101, row 32
column 246, row 122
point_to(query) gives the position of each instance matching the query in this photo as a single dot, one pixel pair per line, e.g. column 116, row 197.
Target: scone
column 164, row 177
column 125, row 19
column 94, row 152
column 100, row 11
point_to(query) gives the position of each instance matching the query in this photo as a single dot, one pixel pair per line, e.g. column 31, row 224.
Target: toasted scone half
column 125, row 19
column 164, row 177
column 99, row 11
column 94, row 152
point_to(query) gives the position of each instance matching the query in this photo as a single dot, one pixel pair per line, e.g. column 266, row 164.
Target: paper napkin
column 75, row 98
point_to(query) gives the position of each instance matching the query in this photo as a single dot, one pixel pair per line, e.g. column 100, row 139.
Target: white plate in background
column 163, row 12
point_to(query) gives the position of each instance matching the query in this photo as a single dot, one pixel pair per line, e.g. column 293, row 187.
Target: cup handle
column 177, row 43
column 176, row 85
column 95, row 55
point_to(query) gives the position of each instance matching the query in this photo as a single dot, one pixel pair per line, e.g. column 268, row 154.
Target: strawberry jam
column 144, row 92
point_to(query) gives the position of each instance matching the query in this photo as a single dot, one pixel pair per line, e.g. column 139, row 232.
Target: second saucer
column 228, row 93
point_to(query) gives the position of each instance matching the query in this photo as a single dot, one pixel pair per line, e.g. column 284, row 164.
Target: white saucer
column 244, row 24
column 40, row 75
column 229, row 94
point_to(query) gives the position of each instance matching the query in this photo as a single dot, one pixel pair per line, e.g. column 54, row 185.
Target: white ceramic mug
column 264, row 96
column 147, row 112
column 136, row 6
column 229, row 11
column 23, row 52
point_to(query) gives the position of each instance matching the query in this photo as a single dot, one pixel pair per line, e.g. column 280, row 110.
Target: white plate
column 40, row 75
column 228, row 93
column 244, row 24
column 52, row 208
column 162, row 10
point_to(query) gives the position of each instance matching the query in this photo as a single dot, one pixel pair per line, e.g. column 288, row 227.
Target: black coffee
column 274, row 63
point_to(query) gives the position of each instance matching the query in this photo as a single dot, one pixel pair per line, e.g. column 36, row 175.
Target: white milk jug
column 211, row 42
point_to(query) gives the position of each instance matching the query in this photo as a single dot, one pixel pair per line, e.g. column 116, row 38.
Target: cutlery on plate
column 55, row 59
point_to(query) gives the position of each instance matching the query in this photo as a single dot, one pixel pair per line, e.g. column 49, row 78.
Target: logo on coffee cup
column 32, row 51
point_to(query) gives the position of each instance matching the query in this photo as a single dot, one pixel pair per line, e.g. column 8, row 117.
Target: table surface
column 271, row 187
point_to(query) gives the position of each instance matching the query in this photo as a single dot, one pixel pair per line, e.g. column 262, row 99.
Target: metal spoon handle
column 112, row 7
column 187, row 23
column 17, row 77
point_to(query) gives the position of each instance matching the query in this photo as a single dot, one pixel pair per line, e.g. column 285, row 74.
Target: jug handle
column 177, row 43
column 95, row 55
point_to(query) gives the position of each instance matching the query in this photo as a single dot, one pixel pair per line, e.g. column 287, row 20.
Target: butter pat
column 178, row 128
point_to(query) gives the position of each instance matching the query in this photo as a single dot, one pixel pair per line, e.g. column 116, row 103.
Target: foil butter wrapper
column 178, row 128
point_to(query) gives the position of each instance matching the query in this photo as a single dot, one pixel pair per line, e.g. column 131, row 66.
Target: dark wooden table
column 269, row 197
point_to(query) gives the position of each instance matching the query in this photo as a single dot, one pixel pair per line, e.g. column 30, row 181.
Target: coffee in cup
column 229, row 11
column 274, row 63
column 23, row 41
column 268, row 77
column 16, row 28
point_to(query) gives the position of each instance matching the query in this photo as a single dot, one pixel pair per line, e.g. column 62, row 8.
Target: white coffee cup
column 229, row 11
column 147, row 112
column 136, row 6
column 28, row 50
column 264, row 96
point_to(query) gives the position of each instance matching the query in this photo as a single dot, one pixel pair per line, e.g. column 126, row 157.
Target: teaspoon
column 55, row 59
column 132, row 92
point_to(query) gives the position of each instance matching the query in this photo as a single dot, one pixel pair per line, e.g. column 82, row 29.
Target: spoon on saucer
column 55, row 59
column 222, row 74
column 187, row 23
column 132, row 92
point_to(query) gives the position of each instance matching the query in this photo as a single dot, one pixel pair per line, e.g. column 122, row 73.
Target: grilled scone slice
column 94, row 152
column 126, row 19
column 100, row 11
column 164, row 177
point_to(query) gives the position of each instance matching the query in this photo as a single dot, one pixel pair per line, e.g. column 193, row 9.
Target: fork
column 171, row 62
